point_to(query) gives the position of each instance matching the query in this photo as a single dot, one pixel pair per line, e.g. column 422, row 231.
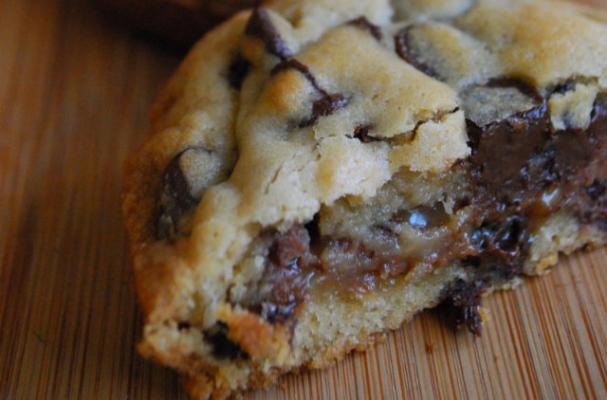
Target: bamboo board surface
column 74, row 94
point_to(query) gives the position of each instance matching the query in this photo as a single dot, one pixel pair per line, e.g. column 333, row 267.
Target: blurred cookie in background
column 180, row 22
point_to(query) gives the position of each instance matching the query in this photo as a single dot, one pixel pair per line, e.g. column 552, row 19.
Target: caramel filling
column 520, row 172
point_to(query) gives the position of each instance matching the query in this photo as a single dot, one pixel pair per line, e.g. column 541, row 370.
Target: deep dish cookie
column 323, row 170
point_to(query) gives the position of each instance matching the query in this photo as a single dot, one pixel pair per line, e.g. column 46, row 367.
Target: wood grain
column 74, row 93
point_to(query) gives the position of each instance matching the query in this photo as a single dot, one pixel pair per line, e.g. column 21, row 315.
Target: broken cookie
column 321, row 171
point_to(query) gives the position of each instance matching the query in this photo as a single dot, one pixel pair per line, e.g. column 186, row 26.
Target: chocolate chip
column 508, row 127
column 323, row 107
column 301, row 68
column 223, row 347
column 512, row 235
column 176, row 184
column 406, row 51
column 364, row 24
column 482, row 237
column 461, row 304
column 238, row 70
column 260, row 25
column 184, row 180
column 326, row 105
column 508, row 236
column 289, row 269
column 290, row 246
column 501, row 246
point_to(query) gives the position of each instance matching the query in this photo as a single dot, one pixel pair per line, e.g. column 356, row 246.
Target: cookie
column 321, row 171
column 181, row 22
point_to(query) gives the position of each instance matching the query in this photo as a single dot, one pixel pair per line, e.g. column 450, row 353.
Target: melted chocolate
column 326, row 105
column 520, row 172
column 260, row 25
column 598, row 196
column 504, row 165
column 461, row 304
column 517, row 160
column 501, row 246
column 364, row 24
column 288, row 272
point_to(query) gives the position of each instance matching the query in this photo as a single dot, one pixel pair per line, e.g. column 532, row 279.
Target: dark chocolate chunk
column 597, row 212
column 184, row 180
column 507, row 127
column 523, row 172
column 176, row 198
column 328, row 102
column 326, row 105
column 176, row 184
column 508, row 236
column 260, row 25
column 461, row 304
column 365, row 24
column 301, row 68
column 512, row 236
column 286, row 278
column 591, row 171
column 239, row 68
column 573, row 149
column 290, row 246
column 405, row 50
column 223, row 347
column 502, row 246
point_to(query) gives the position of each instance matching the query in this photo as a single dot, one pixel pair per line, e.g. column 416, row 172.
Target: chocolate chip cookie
column 320, row 171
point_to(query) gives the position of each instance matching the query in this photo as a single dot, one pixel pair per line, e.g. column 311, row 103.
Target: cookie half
column 321, row 171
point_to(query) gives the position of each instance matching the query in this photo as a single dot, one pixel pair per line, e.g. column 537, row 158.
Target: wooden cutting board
column 74, row 94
